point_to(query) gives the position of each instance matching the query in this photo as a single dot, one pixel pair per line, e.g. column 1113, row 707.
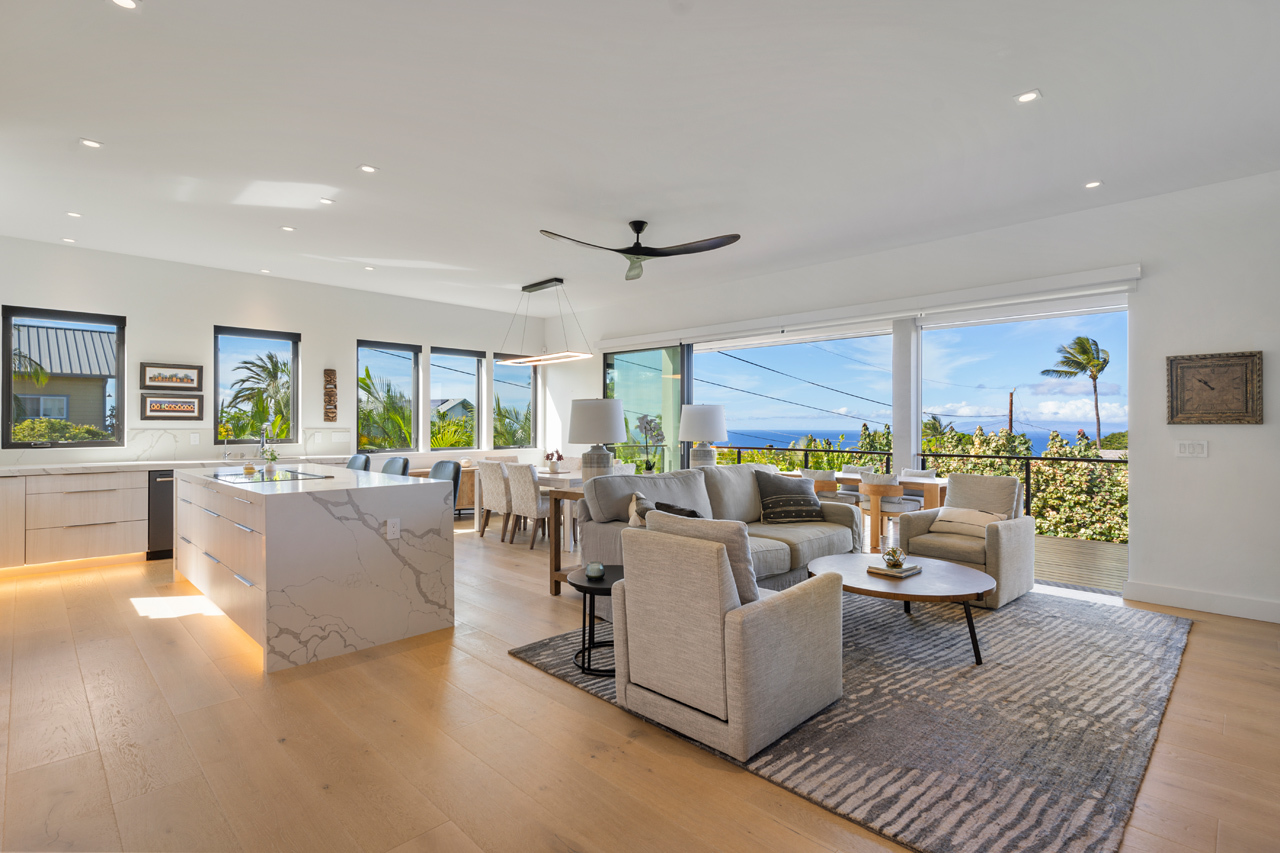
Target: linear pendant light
column 546, row 357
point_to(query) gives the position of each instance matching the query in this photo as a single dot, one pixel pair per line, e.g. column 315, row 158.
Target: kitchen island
column 318, row 561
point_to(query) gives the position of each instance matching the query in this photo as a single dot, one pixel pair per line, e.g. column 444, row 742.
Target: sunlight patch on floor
column 173, row 606
column 1081, row 595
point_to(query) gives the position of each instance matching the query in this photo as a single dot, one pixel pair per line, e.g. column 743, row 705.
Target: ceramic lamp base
column 596, row 462
column 702, row 455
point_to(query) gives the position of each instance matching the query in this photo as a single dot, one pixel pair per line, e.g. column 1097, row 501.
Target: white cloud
column 1063, row 387
column 1080, row 410
column 966, row 410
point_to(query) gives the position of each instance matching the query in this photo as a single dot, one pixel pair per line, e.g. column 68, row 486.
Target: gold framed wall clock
column 1216, row 388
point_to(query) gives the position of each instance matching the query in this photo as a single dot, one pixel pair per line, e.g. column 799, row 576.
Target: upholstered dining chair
column 692, row 656
column 527, row 501
column 882, row 499
column 448, row 469
column 398, row 465
column 495, row 495
column 980, row 525
column 359, row 462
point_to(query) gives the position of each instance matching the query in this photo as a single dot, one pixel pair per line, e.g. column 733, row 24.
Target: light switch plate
column 195, row 438
column 393, row 528
column 1195, row 449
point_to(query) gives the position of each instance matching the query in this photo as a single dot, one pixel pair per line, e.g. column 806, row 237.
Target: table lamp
column 596, row 422
column 702, row 424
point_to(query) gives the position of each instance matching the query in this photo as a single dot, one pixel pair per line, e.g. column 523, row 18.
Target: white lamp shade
column 596, row 422
column 703, row 423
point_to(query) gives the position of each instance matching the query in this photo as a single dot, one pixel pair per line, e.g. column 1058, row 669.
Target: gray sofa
column 780, row 553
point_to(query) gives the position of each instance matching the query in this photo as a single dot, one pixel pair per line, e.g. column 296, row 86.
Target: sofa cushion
column 988, row 493
column 609, row 496
column 769, row 557
column 855, row 469
column 951, row 546
column 640, row 507
column 904, row 503
column 731, row 534
column 733, row 492
column 787, row 500
column 807, row 540
column 672, row 509
column 966, row 522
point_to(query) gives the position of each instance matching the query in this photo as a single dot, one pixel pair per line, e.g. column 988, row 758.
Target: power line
column 792, row 402
column 848, row 357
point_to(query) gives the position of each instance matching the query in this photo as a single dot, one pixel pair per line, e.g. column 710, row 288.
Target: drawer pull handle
column 163, row 480
column 242, row 527
column 211, row 512
column 242, row 500
column 211, row 557
column 86, row 491
column 209, row 489
column 90, row 524
column 244, row 580
column 185, row 539
column 184, row 500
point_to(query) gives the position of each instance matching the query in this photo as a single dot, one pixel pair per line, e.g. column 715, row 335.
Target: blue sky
column 968, row 372
column 233, row 350
column 392, row 366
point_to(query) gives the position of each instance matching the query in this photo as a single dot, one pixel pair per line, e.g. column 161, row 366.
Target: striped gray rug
column 1042, row 748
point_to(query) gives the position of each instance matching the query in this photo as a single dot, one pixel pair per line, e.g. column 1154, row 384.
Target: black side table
column 590, row 588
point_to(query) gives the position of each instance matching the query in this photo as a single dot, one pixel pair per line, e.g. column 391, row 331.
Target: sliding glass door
column 650, row 384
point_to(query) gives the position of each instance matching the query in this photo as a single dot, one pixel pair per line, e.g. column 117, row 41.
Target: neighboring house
column 451, row 408
column 80, row 363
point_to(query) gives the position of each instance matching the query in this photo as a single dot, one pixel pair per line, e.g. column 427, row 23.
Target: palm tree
column 512, row 426
column 267, row 391
column 384, row 415
column 1083, row 356
column 23, row 366
column 935, row 428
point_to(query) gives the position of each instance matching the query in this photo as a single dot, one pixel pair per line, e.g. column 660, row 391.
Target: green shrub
column 52, row 429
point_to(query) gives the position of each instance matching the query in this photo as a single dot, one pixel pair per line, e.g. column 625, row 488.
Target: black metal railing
column 788, row 454
column 1026, row 462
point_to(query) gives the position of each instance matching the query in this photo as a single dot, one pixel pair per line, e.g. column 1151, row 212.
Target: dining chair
column 527, row 501
column 359, row 462
column 495, row 495
column 448, row 469
column 882, row 500
column 398, row 465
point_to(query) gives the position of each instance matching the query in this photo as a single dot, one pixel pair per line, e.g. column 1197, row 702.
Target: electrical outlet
column 195, row 438
column 1192, row 449
column 393, row 528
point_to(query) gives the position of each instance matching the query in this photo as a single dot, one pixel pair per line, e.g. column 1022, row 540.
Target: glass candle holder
column 595, row 570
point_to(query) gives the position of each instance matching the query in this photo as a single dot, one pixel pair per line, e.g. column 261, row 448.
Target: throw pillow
column 966, row 522
column 920, row 472
column 784, row 500
column 731, row 534
column 873, row 479
column 855, row 469
column 682, row 511
column 813, row 474
column 640, row 507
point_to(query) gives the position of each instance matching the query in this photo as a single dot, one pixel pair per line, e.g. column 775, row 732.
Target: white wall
column 171, row 310
column 1211, row 283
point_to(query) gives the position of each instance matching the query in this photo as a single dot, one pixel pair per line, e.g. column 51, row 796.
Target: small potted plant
column 271, row 455
column 554, row 458
column 651, row 429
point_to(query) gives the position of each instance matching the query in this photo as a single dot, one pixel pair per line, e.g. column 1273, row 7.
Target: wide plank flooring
column 123, row 732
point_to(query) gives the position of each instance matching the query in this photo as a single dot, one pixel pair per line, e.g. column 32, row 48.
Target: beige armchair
column 690, row 656
column 1007, row 551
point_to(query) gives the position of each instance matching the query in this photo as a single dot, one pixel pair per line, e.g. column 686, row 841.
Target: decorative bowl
column 465, row 462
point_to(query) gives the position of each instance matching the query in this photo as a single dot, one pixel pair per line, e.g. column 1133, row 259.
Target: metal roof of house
column 68, row 352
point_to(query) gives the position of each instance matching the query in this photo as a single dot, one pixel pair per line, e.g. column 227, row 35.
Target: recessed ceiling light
column 268, row 272
column 1093, row 185
column 1028, row 97
column 287, row 228
column 368, row 168
column 326, row 201
column 76, row 215
column 126, row 4
column 369, row 268
column 89, row 143
column 67, row 240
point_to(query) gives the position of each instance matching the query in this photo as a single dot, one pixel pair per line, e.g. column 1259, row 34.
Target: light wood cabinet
column 71, row 509
column 87, row 482
column 13, row 524
column 76, row 516
column 54, row 544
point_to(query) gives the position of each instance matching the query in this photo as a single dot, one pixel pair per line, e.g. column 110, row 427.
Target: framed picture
column 171, row 377
column 172, row 407
column 1216, row 388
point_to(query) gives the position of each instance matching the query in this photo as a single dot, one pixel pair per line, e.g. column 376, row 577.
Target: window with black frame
column 387, row 395
column 515, row 411
column 63, row 384
column 455, row 394
column 254, row 387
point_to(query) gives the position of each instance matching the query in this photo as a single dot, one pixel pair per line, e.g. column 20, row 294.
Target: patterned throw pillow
column 682, row 511
column 966, row 522
column 784, row 500
column 640, row 506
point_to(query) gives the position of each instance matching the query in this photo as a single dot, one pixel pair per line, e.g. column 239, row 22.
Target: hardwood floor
column 121, row 731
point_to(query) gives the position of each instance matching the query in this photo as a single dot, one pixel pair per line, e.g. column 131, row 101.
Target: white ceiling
column 817, row 130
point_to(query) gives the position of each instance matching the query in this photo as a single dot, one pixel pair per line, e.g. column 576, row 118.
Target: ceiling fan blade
column 694, row 247
column 555, row 236
column 635, row 270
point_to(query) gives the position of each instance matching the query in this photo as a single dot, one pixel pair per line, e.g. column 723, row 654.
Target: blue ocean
column 751, row 437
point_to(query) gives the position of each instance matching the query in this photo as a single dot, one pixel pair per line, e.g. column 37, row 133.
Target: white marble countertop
column 151, row 465
column 335, row 479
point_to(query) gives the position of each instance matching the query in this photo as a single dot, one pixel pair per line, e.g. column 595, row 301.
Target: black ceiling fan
column 638, row 254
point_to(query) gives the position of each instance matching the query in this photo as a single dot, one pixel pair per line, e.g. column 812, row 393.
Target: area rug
column 1042, row 748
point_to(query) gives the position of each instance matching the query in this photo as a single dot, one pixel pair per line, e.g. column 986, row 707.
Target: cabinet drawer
column 236, row 504
column 242, row 549
column 185, row 563
column 53, row 544
column 63, row 509
column 244, row 602
column 86, row 482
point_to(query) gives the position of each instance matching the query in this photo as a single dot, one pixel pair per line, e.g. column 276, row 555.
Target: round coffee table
column 938, row 580
column 590, row 589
